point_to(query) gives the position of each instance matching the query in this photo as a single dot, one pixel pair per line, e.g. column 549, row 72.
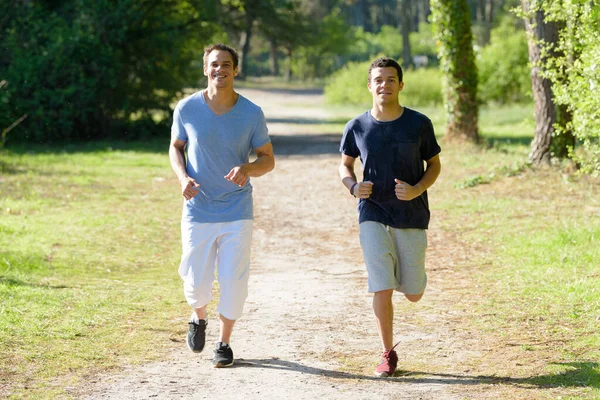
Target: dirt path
column 308, row 331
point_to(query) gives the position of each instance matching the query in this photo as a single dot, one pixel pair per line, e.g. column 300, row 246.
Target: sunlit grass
column 89, row 248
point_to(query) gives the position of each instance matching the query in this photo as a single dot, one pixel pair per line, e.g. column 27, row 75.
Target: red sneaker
column 387, row 366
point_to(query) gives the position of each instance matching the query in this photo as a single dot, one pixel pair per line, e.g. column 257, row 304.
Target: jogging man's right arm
column 361, row 190
column 189, row 187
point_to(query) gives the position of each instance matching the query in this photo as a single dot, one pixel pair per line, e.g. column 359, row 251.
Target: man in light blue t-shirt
column 213, row 133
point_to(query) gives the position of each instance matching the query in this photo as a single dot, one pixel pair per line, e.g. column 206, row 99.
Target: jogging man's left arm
column 265, row 162
column 406, row 192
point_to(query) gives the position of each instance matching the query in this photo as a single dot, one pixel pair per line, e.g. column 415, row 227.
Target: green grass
column 531, row 238
column 89, row 246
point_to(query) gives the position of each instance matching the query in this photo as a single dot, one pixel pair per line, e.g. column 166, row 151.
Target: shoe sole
column 222, row 365
column 382, row 374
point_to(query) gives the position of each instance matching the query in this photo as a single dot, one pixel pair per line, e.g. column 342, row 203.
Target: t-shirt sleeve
column 178, row 129
column 260, row 135
column 348, row 143
column 429, row 145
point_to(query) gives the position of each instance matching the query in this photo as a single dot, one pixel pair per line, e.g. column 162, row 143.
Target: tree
column 277, row 20
column 572, row 67
column 452, row 24
column 87, row 69
column 540, row 33
column 288, row 28
column 405, row 11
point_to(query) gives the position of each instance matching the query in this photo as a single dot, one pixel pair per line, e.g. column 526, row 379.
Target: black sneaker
column 196, row 336
column 223, row 356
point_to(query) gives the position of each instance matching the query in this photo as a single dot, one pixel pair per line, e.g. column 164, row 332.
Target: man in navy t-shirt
column 393, row 143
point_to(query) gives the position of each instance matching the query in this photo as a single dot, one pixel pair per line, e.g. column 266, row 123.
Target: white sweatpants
column 224, row 246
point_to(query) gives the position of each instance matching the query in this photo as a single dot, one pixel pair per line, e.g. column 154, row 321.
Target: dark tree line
column 91, row 69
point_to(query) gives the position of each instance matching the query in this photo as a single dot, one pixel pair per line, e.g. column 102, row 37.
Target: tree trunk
column 452, row 22
column 416, row 16
column 545, row 108
column 406, row 17
column 488, row 21
column 359, row 14
column 426, row 10
column 287, row 73
column 273, row 62
column 244, row 46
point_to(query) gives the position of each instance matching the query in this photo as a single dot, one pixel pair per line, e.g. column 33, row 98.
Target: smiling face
column 219, row 69
column 385, row 85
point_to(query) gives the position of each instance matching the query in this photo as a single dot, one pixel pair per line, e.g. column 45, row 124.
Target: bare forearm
column 177, row 158
column 429, row 177
column 263, row 164
column 347, row 175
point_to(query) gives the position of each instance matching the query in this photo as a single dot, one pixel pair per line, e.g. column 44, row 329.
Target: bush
column 317, row 58
column 348, row 86
column 85, row 69
column 422, row 87
column 575, row 82
column 423, row 42
column 504, row 73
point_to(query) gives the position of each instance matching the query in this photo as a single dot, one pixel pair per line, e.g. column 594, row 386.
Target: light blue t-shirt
column 216, row 144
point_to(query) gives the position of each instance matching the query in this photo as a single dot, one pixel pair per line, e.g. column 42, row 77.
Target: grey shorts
column 395, row 258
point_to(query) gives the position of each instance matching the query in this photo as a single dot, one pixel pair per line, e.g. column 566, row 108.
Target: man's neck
column 221, row 96
column 386, row 112
column 220, row 100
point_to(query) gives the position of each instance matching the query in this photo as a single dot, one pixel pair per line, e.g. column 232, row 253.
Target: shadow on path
column 307, row 121
column 306, row 144
column 580, row 374
column 288, row 91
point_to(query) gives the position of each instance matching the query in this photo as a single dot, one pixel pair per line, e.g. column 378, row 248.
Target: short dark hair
column 222, row 47
column 384, row 62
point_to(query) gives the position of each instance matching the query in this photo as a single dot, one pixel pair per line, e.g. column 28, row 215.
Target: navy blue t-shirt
column 388, row 150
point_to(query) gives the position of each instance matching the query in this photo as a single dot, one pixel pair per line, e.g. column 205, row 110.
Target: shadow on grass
column 581, row 374
column 153, row 145
column 507, row 141
column 584, row 374
column 8, row 169
column 11, row 282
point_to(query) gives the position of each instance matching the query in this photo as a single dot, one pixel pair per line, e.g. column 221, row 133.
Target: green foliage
column 422, row 87
column 423, row 41
column 348, row 86
column 328, row 39
column 452, row 27
column 503, row 65
column 388, row 41
column 574, row 69
column 84, row 69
